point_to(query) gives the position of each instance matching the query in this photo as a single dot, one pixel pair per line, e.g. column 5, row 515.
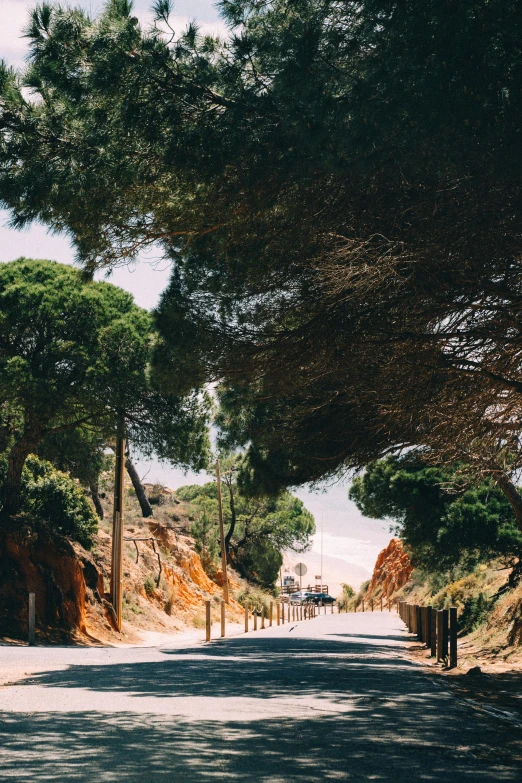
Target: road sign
column 300, row 569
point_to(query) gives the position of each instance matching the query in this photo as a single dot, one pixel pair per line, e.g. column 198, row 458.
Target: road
column 331, row 699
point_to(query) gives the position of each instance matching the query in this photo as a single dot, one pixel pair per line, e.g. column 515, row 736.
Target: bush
column 56, row 498
column 475, row 612
column 149, row 585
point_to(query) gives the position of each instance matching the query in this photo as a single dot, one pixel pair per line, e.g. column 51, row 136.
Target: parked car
column 302, row 597
column 321, row 598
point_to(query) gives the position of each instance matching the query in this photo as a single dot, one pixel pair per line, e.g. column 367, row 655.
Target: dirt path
column 336, row 698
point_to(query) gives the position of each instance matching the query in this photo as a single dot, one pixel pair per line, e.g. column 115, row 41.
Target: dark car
column 321, row 598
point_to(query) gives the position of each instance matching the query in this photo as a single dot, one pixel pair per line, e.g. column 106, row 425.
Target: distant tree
column 76, row 353
column 258, row 528
column 443, row 518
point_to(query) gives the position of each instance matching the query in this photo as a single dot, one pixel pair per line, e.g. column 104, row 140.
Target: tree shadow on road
column 271, row 710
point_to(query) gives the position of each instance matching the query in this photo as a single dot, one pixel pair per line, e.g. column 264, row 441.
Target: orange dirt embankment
column 34, row 559
column 392, row 569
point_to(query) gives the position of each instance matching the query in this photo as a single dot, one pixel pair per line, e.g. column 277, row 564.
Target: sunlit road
column 334, row 698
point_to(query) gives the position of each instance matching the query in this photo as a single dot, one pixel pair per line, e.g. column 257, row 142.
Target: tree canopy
column 331, row 183
column 444, row 520
column 76, row 354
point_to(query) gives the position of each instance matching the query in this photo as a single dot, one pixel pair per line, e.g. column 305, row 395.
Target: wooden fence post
column 371, row 604
column 32, row 620
column 223, row 618
column 419, row 623
column 271, row 612
column 278, row 609
column 433, row 632
column 255, row 619
column 445, row 632
column 363, row 604
column 453, row 637
column 262, row 617
column 207, row 621
column 439, row 635
column 426, row 625
column 282, row 614
column 381, row 603
column 246, row 617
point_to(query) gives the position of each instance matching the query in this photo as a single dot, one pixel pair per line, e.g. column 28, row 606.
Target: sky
column 349, row 542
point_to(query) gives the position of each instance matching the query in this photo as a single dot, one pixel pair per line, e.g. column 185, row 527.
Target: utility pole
column 117, row 524
column 222, row 535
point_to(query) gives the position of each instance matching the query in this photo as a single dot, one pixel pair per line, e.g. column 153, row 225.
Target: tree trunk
column 96, row 500
column 146, row 508
column 232, row 527
column 12, row 490
column 512, row 494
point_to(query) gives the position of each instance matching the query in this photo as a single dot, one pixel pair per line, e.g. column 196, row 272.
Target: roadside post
column 271, row 612
column 207, row 621
column 246, row 617
column 32, row 620
column 282, row 614
column 453, row 636
column 445, row 632
column 255, row 619
column 223, row 618
column 433, row 633
column 262, row 617
column 278, row 607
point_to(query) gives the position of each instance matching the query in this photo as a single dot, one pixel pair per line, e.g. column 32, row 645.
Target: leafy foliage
column 331, row 184
column 74, row 356
column 54, row 497
column 445, row 520
column 257, row 528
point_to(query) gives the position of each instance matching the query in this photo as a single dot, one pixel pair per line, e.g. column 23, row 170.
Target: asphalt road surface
column 331, row 699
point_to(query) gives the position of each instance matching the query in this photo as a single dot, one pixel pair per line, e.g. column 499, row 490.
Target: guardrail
column 436, row 628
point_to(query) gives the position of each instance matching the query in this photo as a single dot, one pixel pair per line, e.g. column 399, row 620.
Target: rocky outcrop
column 392, row 569
column 34, row 559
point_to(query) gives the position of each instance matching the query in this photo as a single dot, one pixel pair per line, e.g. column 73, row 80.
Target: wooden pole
column 363, row 604
column 207, row 621
column 440, row 655
column 282, row 614
column 433, row 633
column 262, row 617
column 381, row 603
column 255, row 619
column 117, row 525
column 301, row 611
column 222, row 535
column 246, row 617
column 278, row 607
column 223, row 618
column 271, row 612
column 445, row 634
column 32, row 620
column 371, row 604
column 453, row 637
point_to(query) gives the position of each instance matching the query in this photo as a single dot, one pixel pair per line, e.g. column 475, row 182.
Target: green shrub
column 475, row 612
column 57, row 499
column 149, row 585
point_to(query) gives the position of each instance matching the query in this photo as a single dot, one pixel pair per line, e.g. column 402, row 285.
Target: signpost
column 300, row 570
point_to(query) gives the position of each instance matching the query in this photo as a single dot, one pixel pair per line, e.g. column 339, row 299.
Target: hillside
column 488, row 599
column 164, row 584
